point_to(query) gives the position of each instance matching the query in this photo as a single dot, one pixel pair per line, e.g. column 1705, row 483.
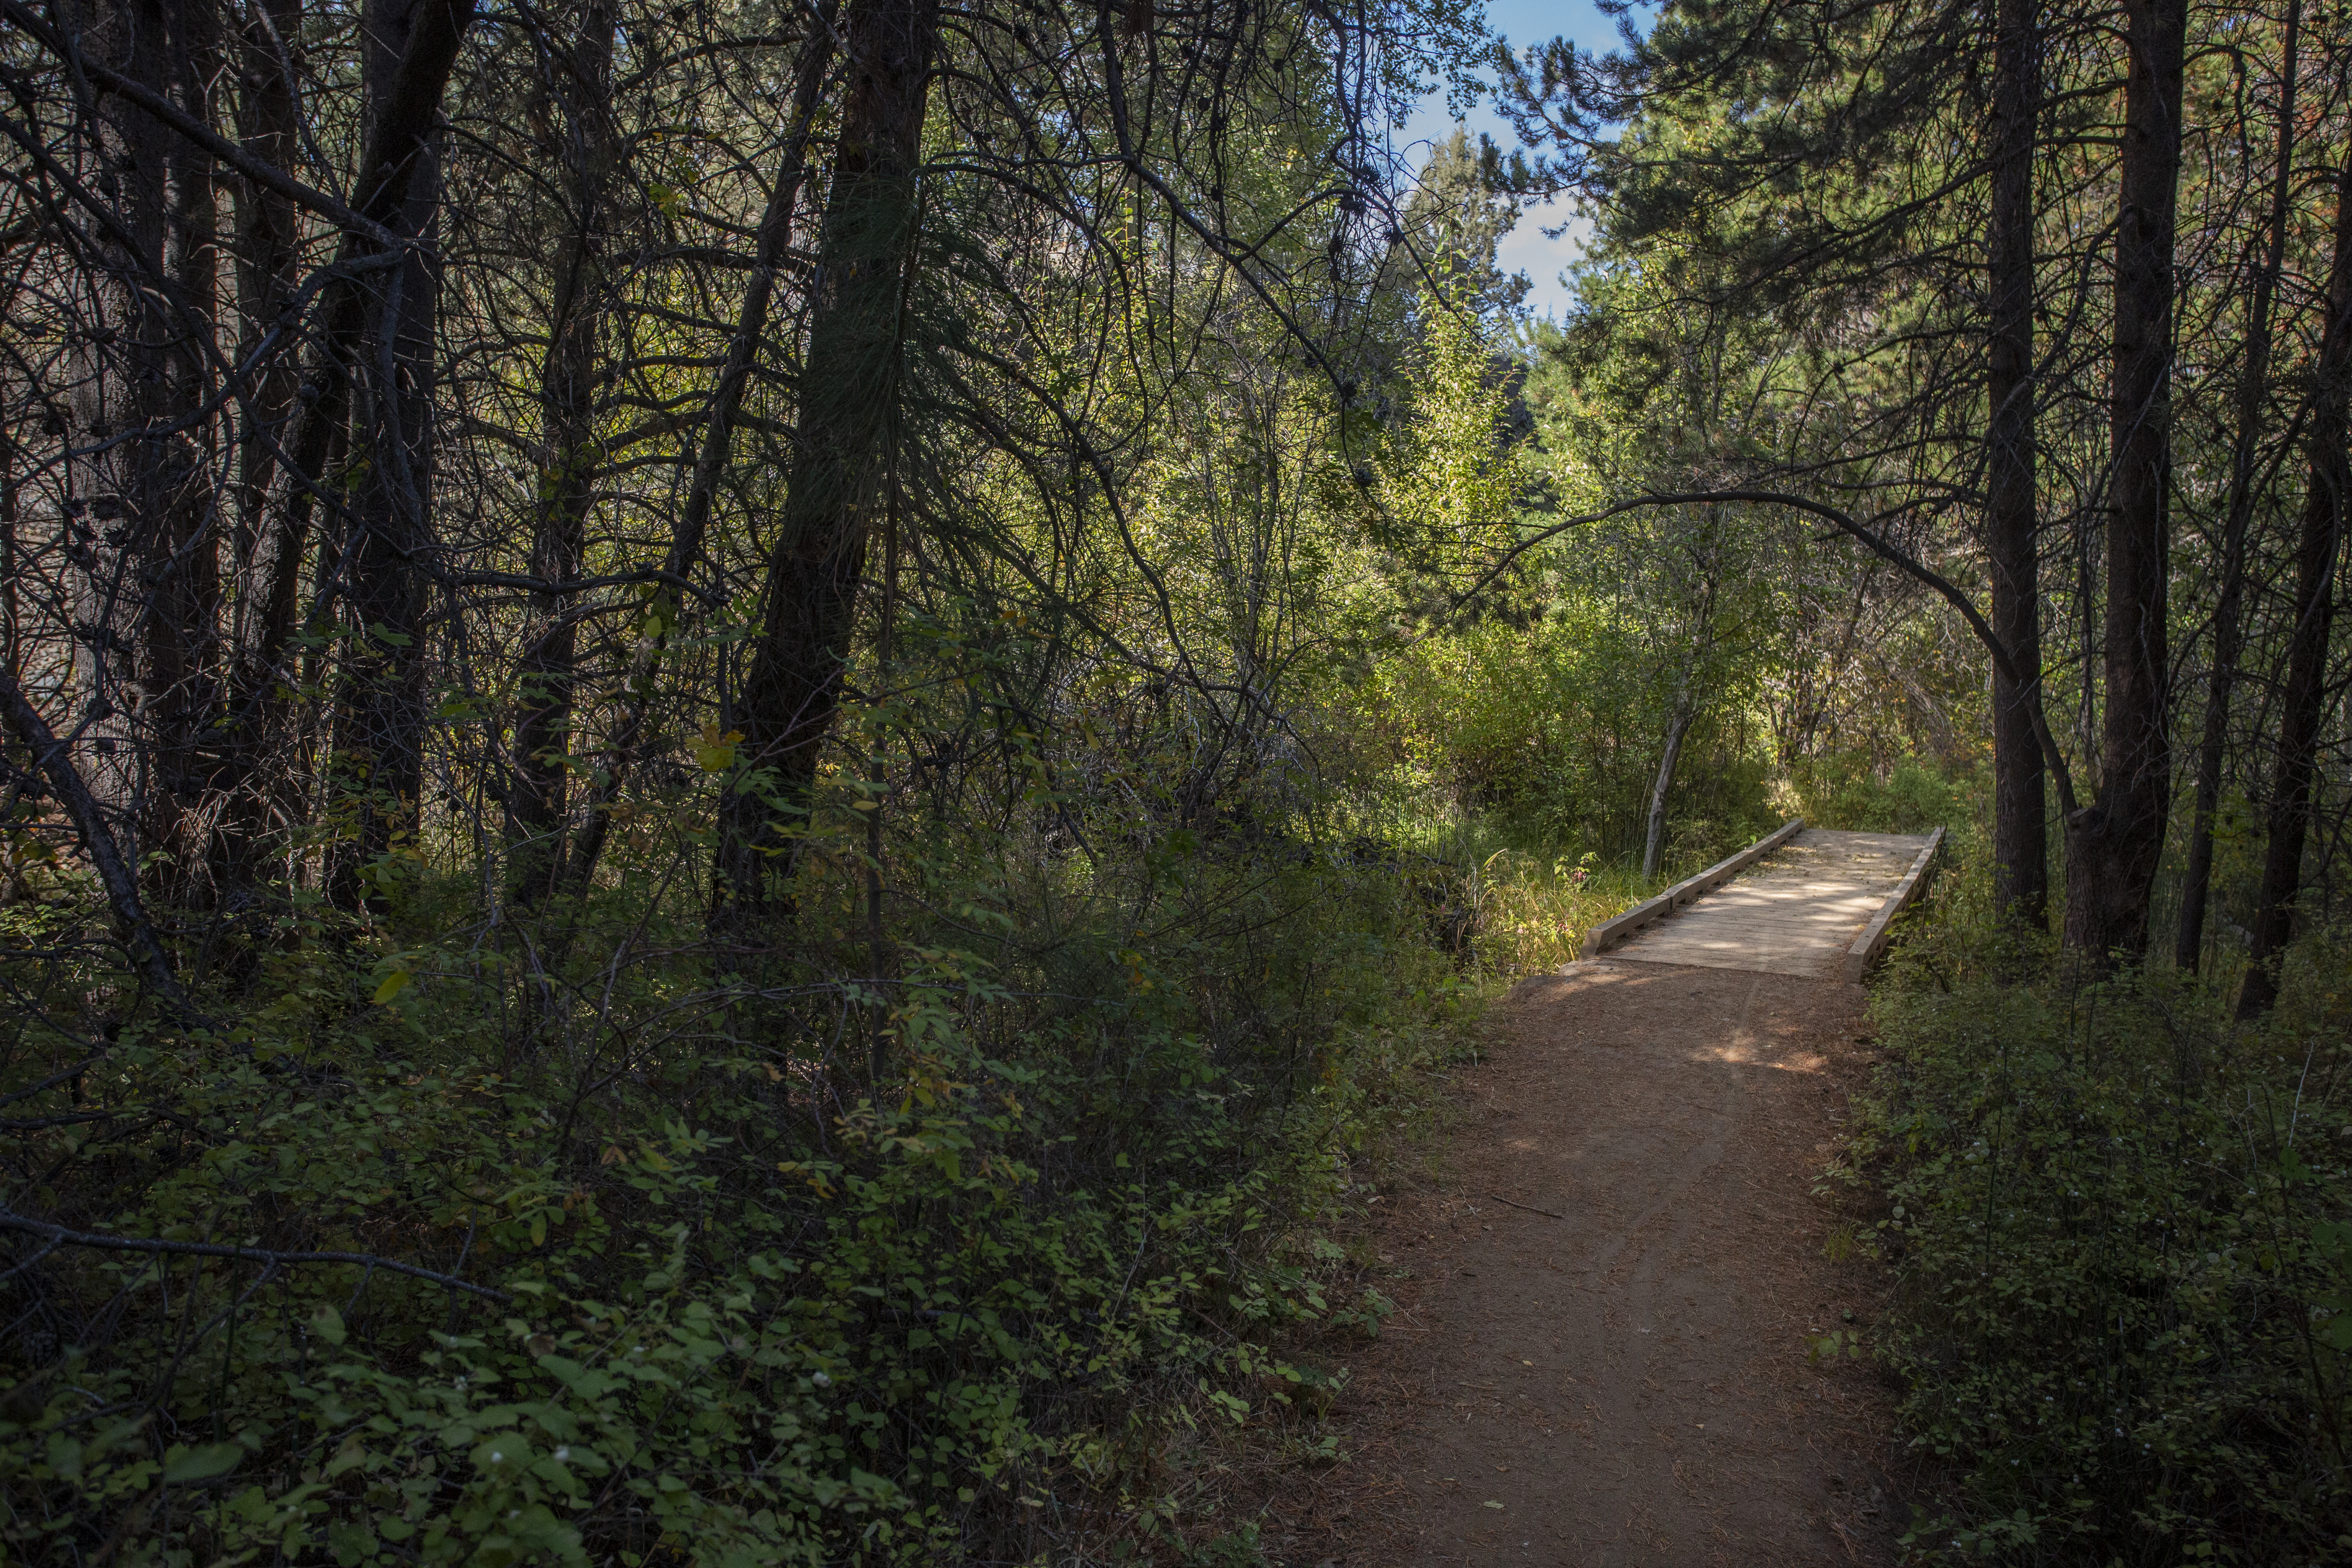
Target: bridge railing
column 1610, row 933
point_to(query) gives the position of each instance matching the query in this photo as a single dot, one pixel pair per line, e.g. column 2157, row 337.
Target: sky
column 1525, row 249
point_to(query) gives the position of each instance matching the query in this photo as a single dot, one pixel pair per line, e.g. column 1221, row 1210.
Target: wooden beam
column 1874, row 936
column 1609, row 933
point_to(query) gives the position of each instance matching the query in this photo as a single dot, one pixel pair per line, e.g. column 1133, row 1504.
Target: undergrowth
column 728, row 1258
column 2120, row 1229
column 737, row 1296
column 1506, row 900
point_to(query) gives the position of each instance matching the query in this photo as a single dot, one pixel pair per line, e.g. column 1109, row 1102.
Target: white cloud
column 1525, row 249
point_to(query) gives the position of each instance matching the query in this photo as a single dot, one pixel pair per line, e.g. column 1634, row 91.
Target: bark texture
column 1653, row 844
column 383, row 555
column 2112, row 845
column 849, row 396
column 2303, row 704
column 142, row 539
column 269, row 263
column 2021, row 843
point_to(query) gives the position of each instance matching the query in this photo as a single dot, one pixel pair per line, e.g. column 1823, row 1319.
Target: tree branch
column 59, row 1235
column 116, row 876
column 259, row 171
column 1878, row 545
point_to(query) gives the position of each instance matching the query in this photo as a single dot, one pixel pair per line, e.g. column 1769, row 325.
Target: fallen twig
column 59, row 1235
column 1546, row 1212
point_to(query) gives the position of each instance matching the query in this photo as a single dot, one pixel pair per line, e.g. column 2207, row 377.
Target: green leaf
column 201, row 1463
column 715, row 753
column 351, row 1543
column 394, row 984
column 327, row 1322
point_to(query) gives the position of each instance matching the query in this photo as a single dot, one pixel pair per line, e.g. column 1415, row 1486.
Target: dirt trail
column 1628, row 1384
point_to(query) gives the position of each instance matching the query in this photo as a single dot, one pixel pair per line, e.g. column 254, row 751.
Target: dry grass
column 1532, row 914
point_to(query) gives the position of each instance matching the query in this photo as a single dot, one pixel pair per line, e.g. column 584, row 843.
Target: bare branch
column 1876, row 543
column 59, row 1235
column 114, row 874
column 259, row 171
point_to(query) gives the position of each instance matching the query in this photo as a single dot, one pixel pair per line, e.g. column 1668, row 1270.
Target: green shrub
column 1844, row 792
column 2122, row 1234
column 1556, row 729
column 756, row 1311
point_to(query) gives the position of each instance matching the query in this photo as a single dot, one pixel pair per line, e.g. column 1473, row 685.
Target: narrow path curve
column 1628, row 1378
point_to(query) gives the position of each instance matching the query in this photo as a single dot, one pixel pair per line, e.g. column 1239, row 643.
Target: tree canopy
column 744, row 738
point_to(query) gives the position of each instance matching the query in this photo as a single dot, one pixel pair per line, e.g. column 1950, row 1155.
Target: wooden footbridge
column 1801, row 900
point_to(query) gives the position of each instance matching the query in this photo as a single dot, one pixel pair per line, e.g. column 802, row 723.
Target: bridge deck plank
column 1797, row 911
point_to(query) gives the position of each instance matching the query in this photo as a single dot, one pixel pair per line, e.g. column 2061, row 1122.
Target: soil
column 1628, row 1378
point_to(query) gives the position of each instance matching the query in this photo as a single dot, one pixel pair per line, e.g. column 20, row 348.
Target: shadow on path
column 1630, row 1384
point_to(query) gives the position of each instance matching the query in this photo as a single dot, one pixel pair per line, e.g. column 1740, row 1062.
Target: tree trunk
column 268, row 245
column 116, row 500
column 378, row 770
column 140, row 543
column 622, row 753
column 547, row 668
column 2112, row 845
column 184, row 572
column 2303, row 704
column 268, row 264
column 1654, row 847
column 396, row 163
column 848, row 406
column 2253, row 385
column 2021, row 845
column 12, row 629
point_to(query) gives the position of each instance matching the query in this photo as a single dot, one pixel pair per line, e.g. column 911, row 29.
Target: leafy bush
column 1843, row 792
column 2121, row 1232
column 1556, row 728
column 749, row 1305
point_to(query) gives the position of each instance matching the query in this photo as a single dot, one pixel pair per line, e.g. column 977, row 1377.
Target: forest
column 757, row 751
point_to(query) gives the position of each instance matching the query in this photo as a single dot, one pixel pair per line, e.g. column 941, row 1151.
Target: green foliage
column 1454, row 222
column 753, row 1319
column 2119, row 1226
column 1452, row 472
column 1171, row 826
column 1843, row 792
column 1555, row 726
